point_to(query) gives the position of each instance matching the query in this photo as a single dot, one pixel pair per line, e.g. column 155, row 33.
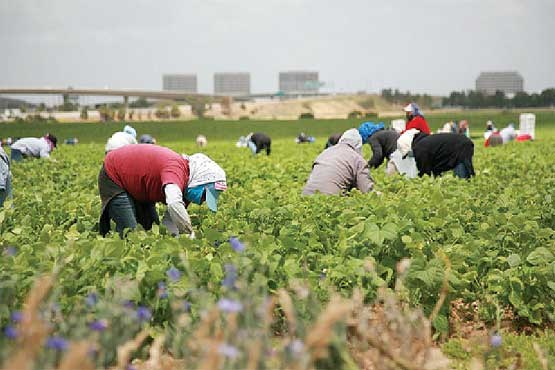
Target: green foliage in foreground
column 496, row 230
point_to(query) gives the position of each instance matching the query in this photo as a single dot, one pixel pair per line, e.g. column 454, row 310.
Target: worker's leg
column 122, row 211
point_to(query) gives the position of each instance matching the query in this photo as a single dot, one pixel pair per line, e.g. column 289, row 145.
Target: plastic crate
column 528, row 125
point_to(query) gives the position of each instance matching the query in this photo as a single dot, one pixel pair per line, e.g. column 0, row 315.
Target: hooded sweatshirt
column 340, row 168
column 35, row 147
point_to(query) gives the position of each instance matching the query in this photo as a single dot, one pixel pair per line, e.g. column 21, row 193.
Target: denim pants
column 461, row 171
column 7, row 192
column 122, row 210
column 16, row 155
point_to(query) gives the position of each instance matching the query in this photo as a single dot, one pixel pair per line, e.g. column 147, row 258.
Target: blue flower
column 98, row 325
column 186, row 305
column 229, row 305
column 173, row 273
column 143, row 313
column 16, row 316
column 162, row 291
column 10, row 251
column 230, row 276
column 91, row 299
column 10, row 332
column 236, row 244
column 496, row 340
column 56, row 343
column 228, row 350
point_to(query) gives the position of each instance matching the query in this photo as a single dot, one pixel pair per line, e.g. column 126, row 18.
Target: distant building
column 508, row 82
column 180, row 82
column 232, row 83
column 299, row 82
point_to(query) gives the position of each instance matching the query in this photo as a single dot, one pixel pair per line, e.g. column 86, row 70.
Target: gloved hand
column 191, row 235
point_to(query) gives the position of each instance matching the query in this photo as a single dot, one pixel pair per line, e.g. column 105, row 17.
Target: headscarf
column 352, row 138
column 130, row 130
column 414, row 109
column 366, row 129
column 205, row 174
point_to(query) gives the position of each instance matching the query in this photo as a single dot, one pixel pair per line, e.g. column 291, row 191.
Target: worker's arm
column 176, row 209
column 377, row 153
column 364, row 181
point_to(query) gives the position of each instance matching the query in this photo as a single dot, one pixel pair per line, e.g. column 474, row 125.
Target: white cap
column 408, row 108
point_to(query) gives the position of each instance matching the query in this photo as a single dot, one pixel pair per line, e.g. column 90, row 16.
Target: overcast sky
column 433, row 46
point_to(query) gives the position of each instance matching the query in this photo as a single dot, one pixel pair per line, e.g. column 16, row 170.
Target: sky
column 425, row 46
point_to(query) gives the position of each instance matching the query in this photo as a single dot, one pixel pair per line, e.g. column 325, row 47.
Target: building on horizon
column 180, row 82
column 233, row 84
column 299, row 82
column 509, row 82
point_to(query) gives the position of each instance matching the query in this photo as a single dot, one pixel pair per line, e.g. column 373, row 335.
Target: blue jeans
column 16, row 155
column 461, row 171
column 6, row 193
column 122, row 210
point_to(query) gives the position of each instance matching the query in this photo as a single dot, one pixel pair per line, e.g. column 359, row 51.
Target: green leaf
column 513, row 260
column 539, row 256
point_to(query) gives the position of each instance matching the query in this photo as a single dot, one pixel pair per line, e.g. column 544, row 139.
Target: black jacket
column 435, row 154
column 262, row 141
column 333, row 139
column 383, row 143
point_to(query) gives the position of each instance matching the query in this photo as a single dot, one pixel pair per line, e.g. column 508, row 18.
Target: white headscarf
column 203, row 170
column 352, row 138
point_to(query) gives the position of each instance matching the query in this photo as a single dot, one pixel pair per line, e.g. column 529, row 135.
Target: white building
column 233, row 84
column 508, row 82
column 299, row 82
column 180, row 82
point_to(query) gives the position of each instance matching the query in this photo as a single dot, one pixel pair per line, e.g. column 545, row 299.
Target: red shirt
column 419, row 123
column 144, row 169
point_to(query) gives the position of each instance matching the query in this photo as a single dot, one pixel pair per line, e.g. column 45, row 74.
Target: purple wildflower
column 10, row 332
column 173, row 273
column 236, row 244
column 495, row 340
column 162, row 292
column 229, row 305
column 98, row 325
column 230, row 276
column 16, row 316
column 91, row 299
column 10, row 251
column 56, row 343
column 228, row 350
column 186, row 306
column 143, row 313
column 129, row 304
column 296, row 346
column 130, row 367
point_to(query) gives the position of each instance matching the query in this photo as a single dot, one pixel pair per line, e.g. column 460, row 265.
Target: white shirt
column 32, row 146
column 176, row 218
column 118, row 140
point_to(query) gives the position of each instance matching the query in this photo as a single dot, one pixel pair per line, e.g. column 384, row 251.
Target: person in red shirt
column 135, row 177
column 415, row 119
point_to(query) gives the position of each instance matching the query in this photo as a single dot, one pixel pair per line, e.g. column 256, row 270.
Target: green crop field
column 486, row 246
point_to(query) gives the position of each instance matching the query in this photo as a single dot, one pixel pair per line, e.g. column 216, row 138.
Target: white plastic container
column 527, row 125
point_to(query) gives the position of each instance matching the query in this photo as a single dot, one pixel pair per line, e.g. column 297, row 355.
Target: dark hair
column 53, row 139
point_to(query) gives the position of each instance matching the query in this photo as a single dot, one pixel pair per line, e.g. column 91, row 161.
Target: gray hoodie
column 340, row 168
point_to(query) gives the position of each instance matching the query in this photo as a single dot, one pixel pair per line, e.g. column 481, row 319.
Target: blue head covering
column 414, row 109
column 367, row 129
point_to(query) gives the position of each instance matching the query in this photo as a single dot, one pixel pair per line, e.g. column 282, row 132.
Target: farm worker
column 258, row 142
column 5, row 177
column 134, row 178
column 340, row 168
column 415, row 119
column 508, row 133
column 201, row 141
column 122, row 138
column 303, row 138
column 435, row 154
column 147, row 139
column 333, row 140
column 383, row 143
column 490, row 129
column 33, row 147
column 464, row 129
